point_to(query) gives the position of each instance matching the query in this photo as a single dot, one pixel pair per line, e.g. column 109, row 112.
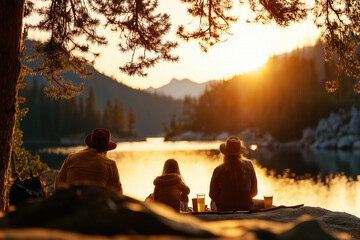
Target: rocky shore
column 92, row 212
column 340, row 131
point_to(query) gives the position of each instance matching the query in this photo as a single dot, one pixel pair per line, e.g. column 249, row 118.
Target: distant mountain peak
column 178, row 89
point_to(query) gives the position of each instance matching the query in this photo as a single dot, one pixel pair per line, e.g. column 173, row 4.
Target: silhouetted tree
column 92, row 115
column 107, row 116
column 131, row 121
column 118, row 122
column 81, row 114
column 188, row 113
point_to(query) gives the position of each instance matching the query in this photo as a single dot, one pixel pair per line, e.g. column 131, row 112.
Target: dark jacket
column 229, row 195
column 170, row 190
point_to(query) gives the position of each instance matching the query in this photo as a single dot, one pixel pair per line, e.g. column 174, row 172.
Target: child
column 170, row 188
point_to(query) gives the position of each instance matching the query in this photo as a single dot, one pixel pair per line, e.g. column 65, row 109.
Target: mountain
column 150, row 109
column 178, row 89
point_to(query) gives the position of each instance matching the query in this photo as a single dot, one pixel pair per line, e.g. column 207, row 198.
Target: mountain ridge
column 150, row 109
column 179, row 88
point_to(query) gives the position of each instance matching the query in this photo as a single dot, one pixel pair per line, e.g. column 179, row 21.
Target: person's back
column 231, row 194
column 233, row 184
column 170, row 188
column 91, row 165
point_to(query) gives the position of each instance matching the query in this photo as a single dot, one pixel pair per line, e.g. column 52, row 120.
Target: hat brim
column 225, row 151
column 108, row 147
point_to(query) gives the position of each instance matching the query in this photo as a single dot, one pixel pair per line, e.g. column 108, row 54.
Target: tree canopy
column 141, row 30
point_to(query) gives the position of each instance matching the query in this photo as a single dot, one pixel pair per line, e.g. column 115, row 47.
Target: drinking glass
column 268, row 200
column 201, row 202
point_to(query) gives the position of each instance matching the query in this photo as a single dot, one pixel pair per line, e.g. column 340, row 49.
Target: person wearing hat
column 233, row 184
column 91, row 165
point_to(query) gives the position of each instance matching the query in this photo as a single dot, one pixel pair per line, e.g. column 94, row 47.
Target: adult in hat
column 91, row 165
column 233, row 184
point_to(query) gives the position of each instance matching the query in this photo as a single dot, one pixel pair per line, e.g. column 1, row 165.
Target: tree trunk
column 11, row 17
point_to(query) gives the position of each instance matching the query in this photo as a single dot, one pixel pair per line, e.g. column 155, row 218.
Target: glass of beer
column 200, row 202
column 268, row 200
column 195, row 205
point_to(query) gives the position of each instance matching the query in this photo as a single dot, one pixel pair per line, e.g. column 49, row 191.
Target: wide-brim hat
column 232, row 147
column 100, row 139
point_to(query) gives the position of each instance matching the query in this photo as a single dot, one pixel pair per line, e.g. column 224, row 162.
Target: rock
column 329, row 220
column 222, row 136
column 346, row 142
column 324, row 131
column 98, row 210
column 356, row 145
column 343, row 131
column 335, row 121
column 267, row 141
column 308, row 137
column 354, row 124
column 329, row 144
column 94, row 210
column 249, row 135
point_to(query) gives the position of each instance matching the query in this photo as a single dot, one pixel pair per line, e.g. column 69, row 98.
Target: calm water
column 328, row 179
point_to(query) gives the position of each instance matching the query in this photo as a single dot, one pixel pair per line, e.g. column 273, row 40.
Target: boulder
column 346, row 142
column 267, row 141
column 249, row 135
column 308, row 137
column 97, row 211
column 356, row 145
column 222, row 136
column 335, row 121
column 324, row 131
column 354, row 124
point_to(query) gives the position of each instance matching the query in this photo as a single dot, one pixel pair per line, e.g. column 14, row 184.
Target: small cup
column 201, row 202
column 194, row 204
column 268, row 201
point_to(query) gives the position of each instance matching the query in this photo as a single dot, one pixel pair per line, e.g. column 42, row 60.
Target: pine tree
column 81, row 119
column 131, row 121
column 118, row 118
column 107, row 116
column 92, row 116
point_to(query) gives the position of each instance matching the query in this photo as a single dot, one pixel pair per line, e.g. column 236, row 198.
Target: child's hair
column 171, row 166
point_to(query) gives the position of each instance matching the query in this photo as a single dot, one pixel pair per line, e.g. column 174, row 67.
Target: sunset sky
column 248, row 48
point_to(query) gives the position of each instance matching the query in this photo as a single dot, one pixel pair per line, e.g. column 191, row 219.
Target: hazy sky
column 248, row 48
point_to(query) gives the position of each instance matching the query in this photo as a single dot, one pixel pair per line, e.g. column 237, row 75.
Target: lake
column 321, row 178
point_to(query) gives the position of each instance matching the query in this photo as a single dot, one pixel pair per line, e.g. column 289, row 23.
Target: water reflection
column 291, row 176
column 309, row 162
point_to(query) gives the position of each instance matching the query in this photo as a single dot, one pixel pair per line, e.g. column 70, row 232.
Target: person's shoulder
column 81, row 152
column 109, row 161
column 248, row 162
column 219, row 168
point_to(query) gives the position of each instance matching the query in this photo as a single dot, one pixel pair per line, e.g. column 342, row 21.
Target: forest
column 49, row 119
column 282, row 98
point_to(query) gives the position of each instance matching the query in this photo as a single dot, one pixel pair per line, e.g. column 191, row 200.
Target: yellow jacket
column 89, row 167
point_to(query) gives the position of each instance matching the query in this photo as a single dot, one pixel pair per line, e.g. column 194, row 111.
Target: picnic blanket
column 248, row 211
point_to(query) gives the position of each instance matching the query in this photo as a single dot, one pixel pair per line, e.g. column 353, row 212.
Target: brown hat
column 100, row 139
column 232, row 147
